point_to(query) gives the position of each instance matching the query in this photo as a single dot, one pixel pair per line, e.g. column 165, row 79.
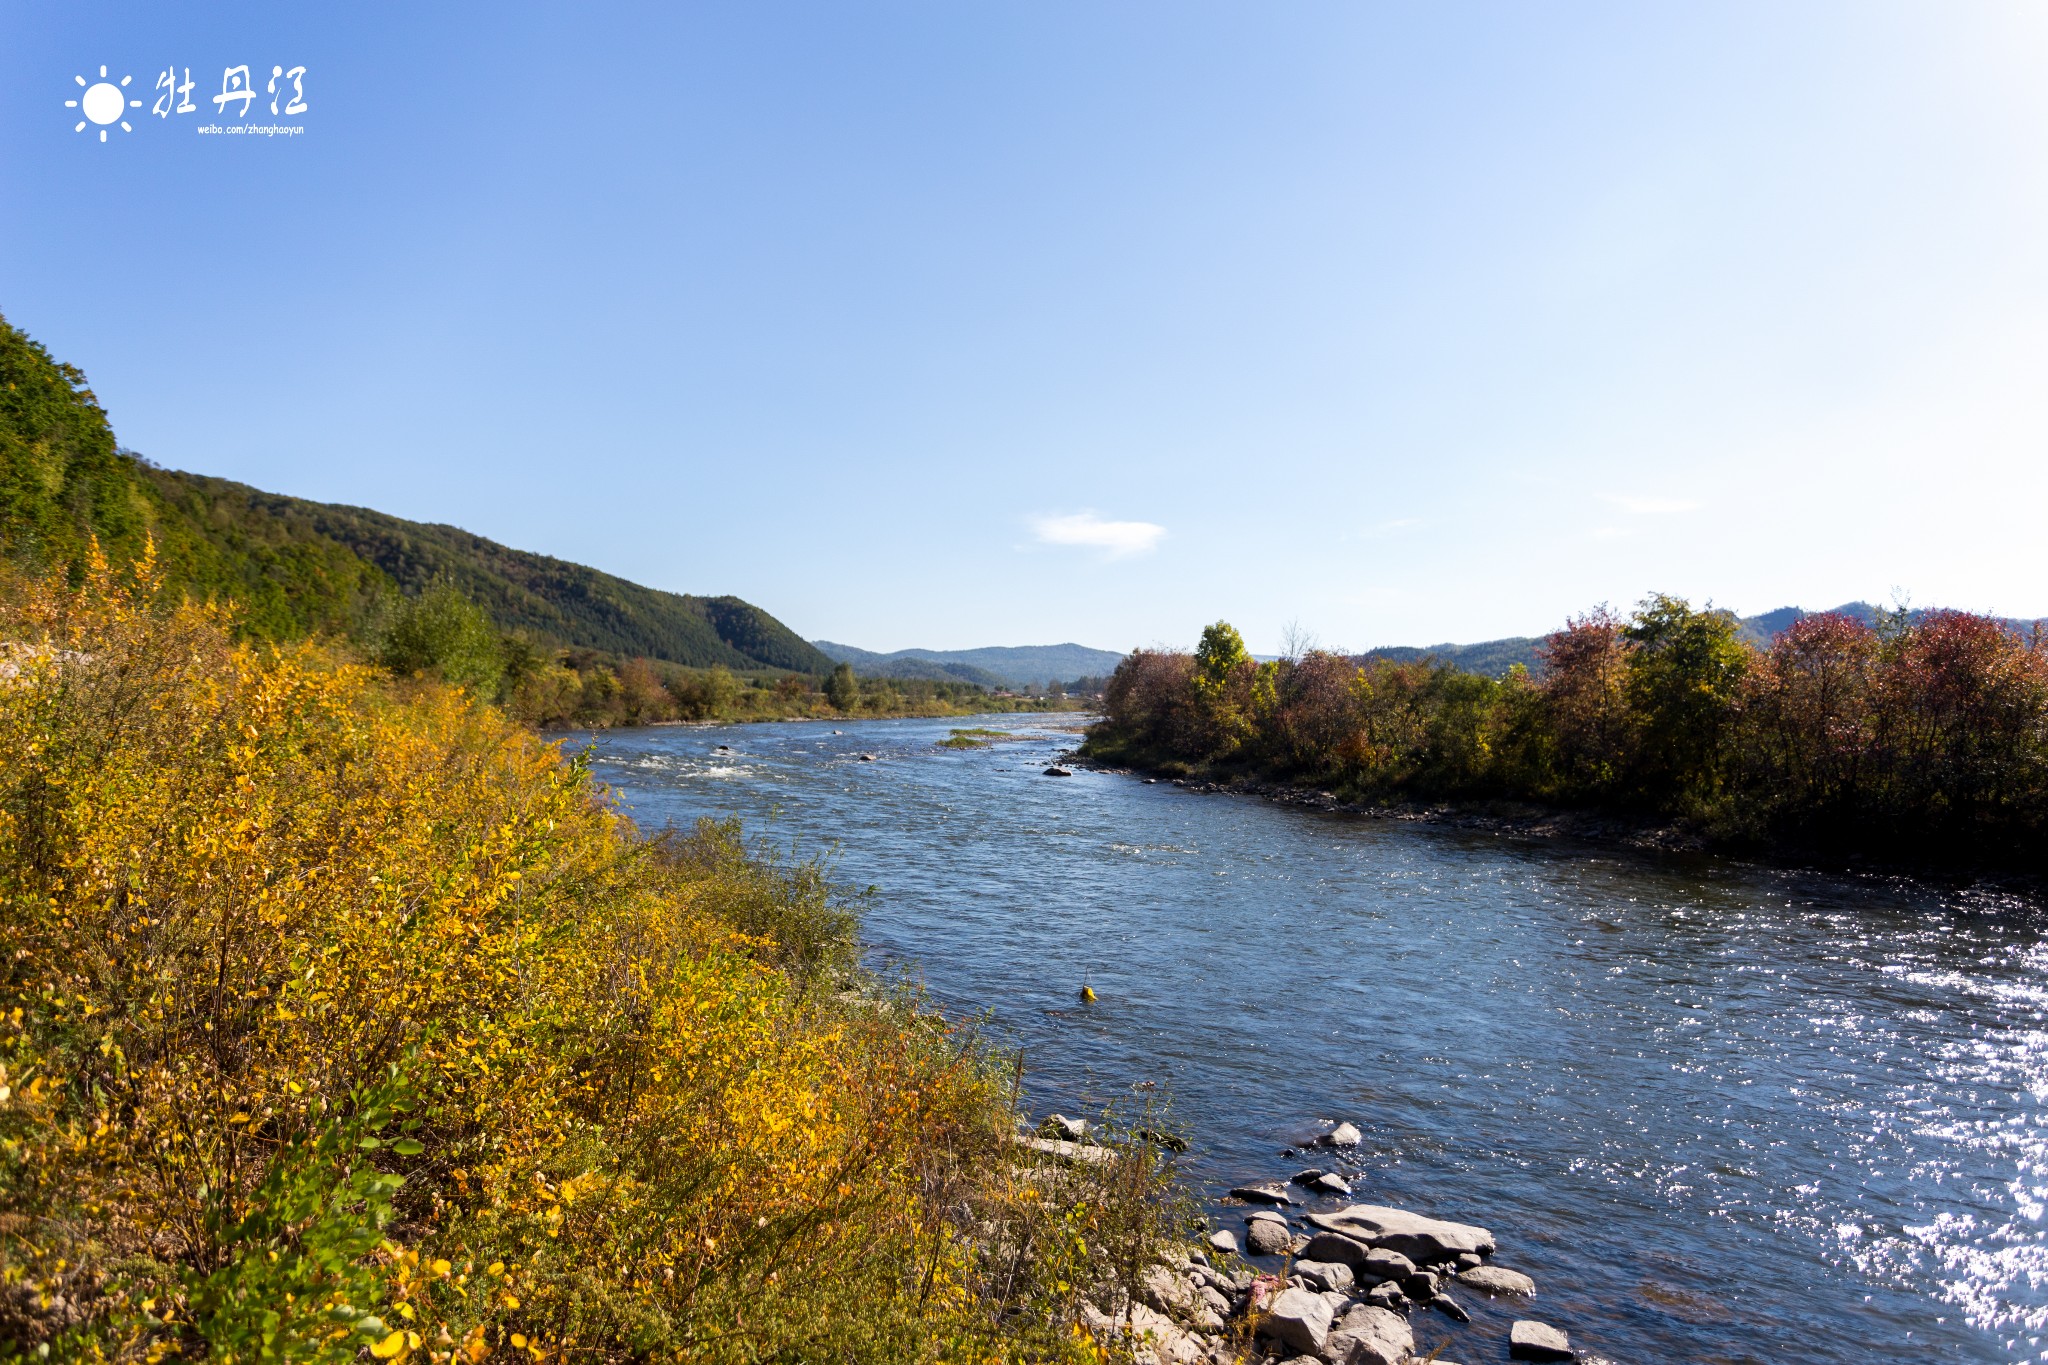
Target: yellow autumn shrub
column 342, row 1020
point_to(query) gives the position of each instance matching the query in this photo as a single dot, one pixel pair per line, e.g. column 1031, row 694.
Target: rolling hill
column 991, row 666
column 1495, row 657
column 300, row 567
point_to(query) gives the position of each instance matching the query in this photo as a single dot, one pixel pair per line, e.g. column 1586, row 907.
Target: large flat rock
column 1496, row 1279
column 1068, row 1151
column 1426, row 1241
column 1533, row 1340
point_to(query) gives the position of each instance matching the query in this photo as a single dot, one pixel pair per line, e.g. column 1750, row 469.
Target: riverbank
column 1601, row 830
column 1921, row 741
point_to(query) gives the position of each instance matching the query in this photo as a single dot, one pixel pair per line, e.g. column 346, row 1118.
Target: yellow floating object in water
column 1087, row 992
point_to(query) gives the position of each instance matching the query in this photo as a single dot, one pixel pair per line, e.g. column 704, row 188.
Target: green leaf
column 408, row 1147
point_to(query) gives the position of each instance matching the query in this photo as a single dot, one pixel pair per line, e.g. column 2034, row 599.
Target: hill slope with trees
column 300, row 568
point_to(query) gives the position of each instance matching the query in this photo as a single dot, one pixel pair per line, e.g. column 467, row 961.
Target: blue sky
column 958, row 324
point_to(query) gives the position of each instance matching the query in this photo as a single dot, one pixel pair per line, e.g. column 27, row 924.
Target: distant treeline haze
column 1926, row 732
column 442, row 634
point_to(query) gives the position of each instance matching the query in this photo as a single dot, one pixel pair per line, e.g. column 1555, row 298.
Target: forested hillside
column 299, row 568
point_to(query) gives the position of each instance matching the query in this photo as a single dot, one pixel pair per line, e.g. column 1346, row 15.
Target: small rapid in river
column 1722, row 1112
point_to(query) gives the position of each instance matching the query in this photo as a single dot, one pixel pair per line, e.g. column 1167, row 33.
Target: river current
column 1721, row 1111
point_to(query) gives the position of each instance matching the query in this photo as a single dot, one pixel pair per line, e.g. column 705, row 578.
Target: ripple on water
column 1720, row 1111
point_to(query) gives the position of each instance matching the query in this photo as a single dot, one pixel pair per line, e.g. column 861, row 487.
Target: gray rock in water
column 1272, row 1192
column 1495, row 1279
column 1388, row 1296
column 1449, row 1307
column 1266, row 1237
column 1424, row 1240
column 1324, row 1275
column 1057, row 771
column 1335, row 1246
column 1330, row 1183
column 1469, row 1260
column 1343, row 1135
column 1224, row 1240
column 1370, row 1335
column 1421, row 1286
column 1066, row 1129
column 1529, row 1339
column 1068, row 1151
column 1380, row 1264
column 1299, row 1318
column 1307, row 1177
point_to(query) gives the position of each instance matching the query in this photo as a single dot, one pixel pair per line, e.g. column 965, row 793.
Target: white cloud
column 1649, row 507
column 1117, row 539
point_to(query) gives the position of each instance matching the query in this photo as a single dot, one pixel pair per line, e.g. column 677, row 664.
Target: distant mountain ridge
column 298, row 568
column 1495, row 657
column 1008, row 666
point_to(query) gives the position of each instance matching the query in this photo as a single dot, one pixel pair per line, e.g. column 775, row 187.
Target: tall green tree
column 842, row 689
column 1221, row 651
column 443, row 632
column 1684, row 674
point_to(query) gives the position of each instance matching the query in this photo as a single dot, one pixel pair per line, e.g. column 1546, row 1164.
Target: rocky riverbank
column 1594, row 828
column 1499, row 817
column 1312, row 1279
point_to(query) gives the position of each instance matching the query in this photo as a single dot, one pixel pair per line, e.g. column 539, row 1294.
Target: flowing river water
column 1721, row 1111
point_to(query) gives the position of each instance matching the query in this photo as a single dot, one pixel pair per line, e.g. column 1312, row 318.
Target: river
column 1721, row 1111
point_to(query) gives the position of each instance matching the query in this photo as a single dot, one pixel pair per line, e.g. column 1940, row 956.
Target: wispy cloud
column 1649, row 507
column 1116, row 539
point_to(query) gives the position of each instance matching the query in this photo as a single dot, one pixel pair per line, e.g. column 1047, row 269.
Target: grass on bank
column 342, row 1019
column 977, row 737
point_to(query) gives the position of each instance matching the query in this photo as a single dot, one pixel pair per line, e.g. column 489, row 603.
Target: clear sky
column 1016, row 321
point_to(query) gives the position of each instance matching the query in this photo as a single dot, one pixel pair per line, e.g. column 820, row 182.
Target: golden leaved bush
column 342, row 1016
